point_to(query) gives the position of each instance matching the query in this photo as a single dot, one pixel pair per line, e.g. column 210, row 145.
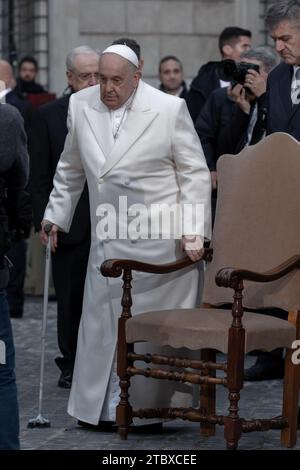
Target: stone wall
column 186, row 28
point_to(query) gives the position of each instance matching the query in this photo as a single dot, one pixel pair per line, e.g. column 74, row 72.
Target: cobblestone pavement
column 259, row 399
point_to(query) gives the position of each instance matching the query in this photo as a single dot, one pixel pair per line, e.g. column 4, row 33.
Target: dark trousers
column 69, row 265
column 15, row 288
column 9, row 412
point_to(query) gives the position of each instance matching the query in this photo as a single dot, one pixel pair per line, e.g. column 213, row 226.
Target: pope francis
column 128, row 141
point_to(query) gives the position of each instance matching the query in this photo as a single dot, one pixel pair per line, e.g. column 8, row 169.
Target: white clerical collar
column 5, row 92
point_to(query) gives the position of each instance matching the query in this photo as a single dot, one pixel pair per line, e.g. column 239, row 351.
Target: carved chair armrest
column 231, row 277
column 114, row 267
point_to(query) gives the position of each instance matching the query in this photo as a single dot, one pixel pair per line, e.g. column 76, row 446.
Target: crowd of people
column 111, row 135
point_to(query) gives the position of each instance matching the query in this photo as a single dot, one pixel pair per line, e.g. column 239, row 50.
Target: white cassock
column 157, row 158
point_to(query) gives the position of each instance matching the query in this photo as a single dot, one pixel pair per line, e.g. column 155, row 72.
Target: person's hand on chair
column 193, row 246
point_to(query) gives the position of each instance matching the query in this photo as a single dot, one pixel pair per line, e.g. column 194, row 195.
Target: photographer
column 220, row 126
column 248, row 125
column 13, row 176
column 233, row 41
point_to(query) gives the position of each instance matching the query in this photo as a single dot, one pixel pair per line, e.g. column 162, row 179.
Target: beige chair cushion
column 208, row 328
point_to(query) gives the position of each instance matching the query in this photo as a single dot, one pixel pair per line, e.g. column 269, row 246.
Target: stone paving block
column 66, row 434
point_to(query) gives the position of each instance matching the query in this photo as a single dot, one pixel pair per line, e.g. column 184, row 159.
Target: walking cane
column 40, row 421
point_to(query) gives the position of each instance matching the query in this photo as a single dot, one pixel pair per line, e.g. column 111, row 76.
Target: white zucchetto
column 123, row 51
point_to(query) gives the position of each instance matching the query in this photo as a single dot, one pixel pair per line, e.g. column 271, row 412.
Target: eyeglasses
column 84, row 77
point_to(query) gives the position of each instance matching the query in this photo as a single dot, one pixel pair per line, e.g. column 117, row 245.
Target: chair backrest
column 257, row 224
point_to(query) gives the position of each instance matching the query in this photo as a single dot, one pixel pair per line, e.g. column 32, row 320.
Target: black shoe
column 65, row 380
column 104, row 426
column 266, row 367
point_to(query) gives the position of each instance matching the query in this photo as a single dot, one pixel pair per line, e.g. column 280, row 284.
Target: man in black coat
column 233, row 41
column 283, row 91
column 69, row 262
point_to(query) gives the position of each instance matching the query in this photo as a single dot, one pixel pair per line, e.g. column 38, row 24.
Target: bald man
column 131, row 143
column 11, row 95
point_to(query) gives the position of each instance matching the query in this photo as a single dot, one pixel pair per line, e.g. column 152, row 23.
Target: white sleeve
column 192, row 173
column 69, row 178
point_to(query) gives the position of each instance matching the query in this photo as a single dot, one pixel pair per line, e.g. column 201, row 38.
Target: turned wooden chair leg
column 290, row 400
column 124, row 409
column 208, row 394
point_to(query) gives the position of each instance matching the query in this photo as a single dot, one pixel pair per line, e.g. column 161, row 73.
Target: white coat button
column 106, row 240
column 100, row 180
column 127, row 181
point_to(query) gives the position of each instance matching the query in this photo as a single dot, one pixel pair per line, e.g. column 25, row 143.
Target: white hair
column 80, row 50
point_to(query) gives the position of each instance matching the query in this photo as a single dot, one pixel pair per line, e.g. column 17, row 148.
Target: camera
column 233, row 72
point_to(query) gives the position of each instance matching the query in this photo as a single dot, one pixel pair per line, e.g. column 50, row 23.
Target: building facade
column 185, row 28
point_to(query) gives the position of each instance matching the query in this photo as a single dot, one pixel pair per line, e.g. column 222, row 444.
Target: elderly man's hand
column 44, row 234
column 193, row 246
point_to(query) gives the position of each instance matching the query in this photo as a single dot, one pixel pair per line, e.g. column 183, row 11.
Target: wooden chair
column 257, row 227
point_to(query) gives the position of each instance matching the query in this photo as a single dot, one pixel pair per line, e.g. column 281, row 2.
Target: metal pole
column 40, row 421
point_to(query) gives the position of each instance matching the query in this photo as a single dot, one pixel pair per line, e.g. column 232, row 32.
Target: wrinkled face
column 118, row 80
column 85, row 72
column 286, row 36
column 171, row 75
column 27, row 71
column 234, row 51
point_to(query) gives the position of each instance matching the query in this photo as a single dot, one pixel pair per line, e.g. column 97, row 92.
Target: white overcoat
column 157, row 158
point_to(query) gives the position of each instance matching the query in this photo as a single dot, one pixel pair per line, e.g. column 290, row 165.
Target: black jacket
column 282, row 116
column 233, row 137
column 14, row 98
column 14, row 162
column 46, row 143
column 201, row 87
column 216, row 114
column 29, row 87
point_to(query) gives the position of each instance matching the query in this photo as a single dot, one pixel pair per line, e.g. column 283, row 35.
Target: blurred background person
column 233, row 41
column 12, row 94
column 27, row 74
column 171, row 77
